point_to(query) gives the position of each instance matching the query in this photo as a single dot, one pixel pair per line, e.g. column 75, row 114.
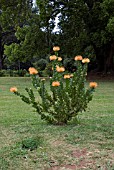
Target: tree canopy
column 85, row 27
column 12, row 14
column 86, row 23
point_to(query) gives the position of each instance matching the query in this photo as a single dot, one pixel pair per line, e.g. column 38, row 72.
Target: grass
column 88, row 145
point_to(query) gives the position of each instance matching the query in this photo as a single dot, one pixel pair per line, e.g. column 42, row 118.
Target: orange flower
column 86, row 60
column 55, row 83
column 56, row 48
column 59, row 59
column 67, row 76
column 13, row 89
column 60, row 69
column 32, row 70
column 78, row 57
column 93, row 84
column 53, row 57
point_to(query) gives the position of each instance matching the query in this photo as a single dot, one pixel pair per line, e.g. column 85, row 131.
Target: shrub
column 32, row 143
column 42, row 63
column 2, row 73
column 67, row 96
column 13, row 73
column 69, row 64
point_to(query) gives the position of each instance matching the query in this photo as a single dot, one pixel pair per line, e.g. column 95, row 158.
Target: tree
column 48, row 11
column 86, row 23
column 30, row 44
column 35, row 39
column 100, row 29
column 12, row 15
column 82, row 23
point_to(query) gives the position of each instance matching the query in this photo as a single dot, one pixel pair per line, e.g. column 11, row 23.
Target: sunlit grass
column 19, row 122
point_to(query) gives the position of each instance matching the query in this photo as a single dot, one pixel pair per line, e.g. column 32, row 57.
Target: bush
column 67, row 96
column 32, row 143
column 13, row 73
column 41, row 64
column 21, row 73
column 69, row 64
column 2, row 73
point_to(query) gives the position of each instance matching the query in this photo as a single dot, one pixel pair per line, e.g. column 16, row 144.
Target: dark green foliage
column 12, row 14
column 32, row 43
column 69, row 64
column 13, row 73
column 82, row 24
column 41, row 64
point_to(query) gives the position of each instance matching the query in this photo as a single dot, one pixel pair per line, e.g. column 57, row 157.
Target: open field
column 88, row 145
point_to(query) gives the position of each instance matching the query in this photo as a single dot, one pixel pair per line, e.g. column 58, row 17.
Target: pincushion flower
column 53, row 57
column 13, row 89
column 59, row 59
column 93, row 84
column 86, row 60
column 60, row 69
column 78, row 58
column 56, row 48
column 65, row 89
column 67, row 76
column 55, row 83
column 32, row 70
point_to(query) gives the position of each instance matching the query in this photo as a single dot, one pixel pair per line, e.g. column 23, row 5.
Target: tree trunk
column 104, row 56
column 109, row 64
column 0, row 54
column 100, row 59
column 0, row 47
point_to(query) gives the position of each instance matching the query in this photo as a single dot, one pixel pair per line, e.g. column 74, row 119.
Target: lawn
column 28, row 143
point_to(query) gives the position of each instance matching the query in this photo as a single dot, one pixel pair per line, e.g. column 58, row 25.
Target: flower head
column 59, row 59
column 53, row 57
column 13, row 89
column 86, row 60
column 55, row 83
column 32, row 70
column 60, row 69
column 56, row 48
column 78, row 58
column 93, row 84
column 67, row 76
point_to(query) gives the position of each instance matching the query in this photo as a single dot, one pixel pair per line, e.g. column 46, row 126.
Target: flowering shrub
column 68, row 95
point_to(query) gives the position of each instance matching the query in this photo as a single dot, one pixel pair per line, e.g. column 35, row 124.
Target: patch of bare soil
column 82, row 162
column 84, row 159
